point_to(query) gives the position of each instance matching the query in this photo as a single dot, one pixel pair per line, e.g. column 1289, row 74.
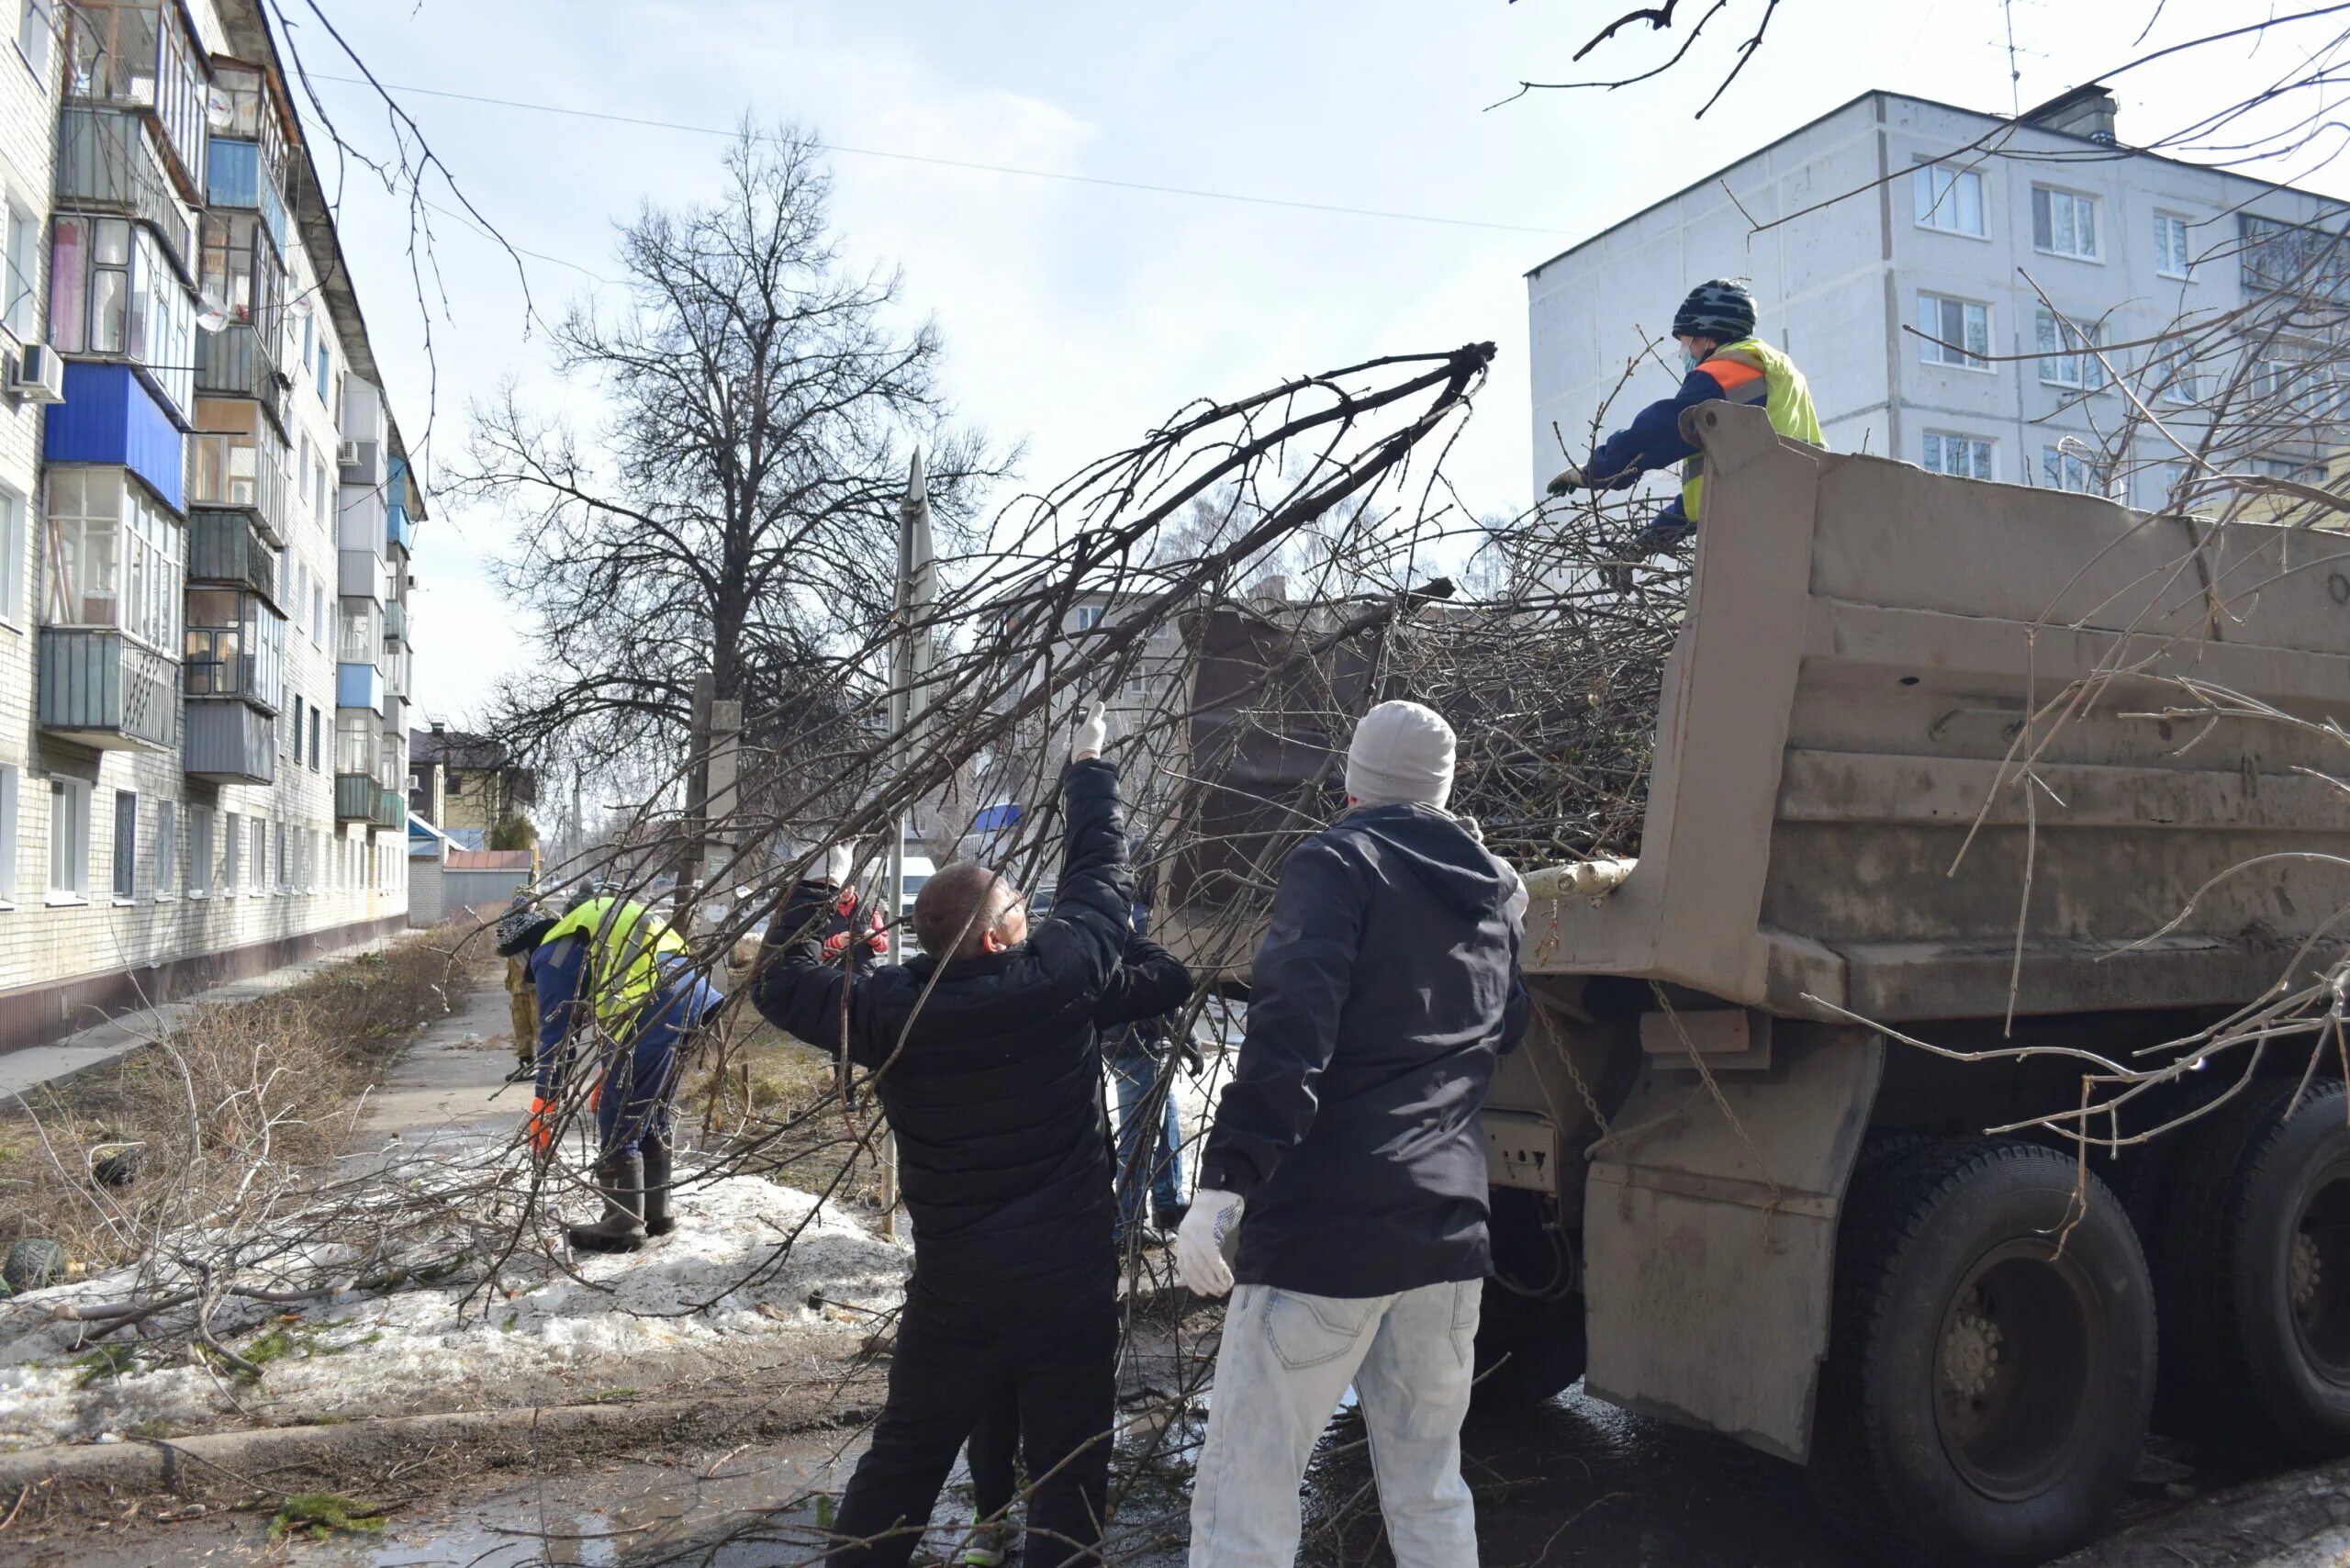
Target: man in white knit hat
column 1347, row 1160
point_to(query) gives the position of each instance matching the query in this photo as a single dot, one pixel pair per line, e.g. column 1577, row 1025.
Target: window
column 2277, row 255
column 199, row 851
column 1947, row 198
column 1089, row 616
column 239, row 271
column 8, row 782
column 1957, row 331
column 2170, row 245
column 69, row 840
column 257, row 856
column 32, row 36
column 2062, row 470
column 2062, row 361
column 167, row 849
column 113, row 291
column 232, row 854
column 125, row 845
column 319, row 613
column 314, row 738
column 325, row 363
column 285, row 861
column 298, row 727
column 114, row 557
column 235, row 646
column 235, row 459
column 2171, row 374
column 311, row 874
column 2063, row 223
column 12, row 556
column 323, row 502
column 1965, row 456
column 22, row 311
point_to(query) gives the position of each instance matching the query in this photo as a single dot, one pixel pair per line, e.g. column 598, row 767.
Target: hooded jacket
column 1383, row 993
column 993, row 1079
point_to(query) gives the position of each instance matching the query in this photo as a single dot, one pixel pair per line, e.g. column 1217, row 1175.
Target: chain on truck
column 1930, row 855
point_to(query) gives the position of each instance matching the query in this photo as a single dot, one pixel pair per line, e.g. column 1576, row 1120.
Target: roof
column 2112, row 149
column 456, row 748
column 488, row 860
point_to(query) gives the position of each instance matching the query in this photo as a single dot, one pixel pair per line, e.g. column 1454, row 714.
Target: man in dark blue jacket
column 1384, row 993
column 984, row 1054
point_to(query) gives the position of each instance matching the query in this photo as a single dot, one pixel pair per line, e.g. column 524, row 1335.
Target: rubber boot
column 620, row 1180
column 656, row 1185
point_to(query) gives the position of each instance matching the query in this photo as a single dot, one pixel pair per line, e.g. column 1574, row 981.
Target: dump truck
column 1961, row 791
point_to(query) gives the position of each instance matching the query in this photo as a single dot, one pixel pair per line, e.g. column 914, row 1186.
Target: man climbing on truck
column 1720, row 359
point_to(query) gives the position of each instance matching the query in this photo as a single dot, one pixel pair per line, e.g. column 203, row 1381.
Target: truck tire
column 2256, row 1282
column 1527, row 1350
column 1986, row 1391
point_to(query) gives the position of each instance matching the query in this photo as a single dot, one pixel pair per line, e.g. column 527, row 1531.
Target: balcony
column 227, row 547
column 359, row 686
column 395, row 622
column 107, row 162
column 391, row 809
column 227, row 472
column 231, row 743
column 237, row 178
column 399, row 531
column 137, row 54
column 359, row 574
column 104, row 690
column 354, row 797
column 394, row 715
column 234, row 363
column 110, row 418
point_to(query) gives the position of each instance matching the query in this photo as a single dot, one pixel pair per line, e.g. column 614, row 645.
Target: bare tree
column 733, row 513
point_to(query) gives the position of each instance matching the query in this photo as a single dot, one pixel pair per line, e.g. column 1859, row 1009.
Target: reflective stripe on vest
column 625, row 942
column 1752, row 371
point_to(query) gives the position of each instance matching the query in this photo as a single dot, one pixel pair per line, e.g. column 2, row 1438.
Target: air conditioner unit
column 38, row 375
column 347, row 455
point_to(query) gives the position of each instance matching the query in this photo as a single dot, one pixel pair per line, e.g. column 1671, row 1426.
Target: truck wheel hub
column 2309, row 1269
column 1971, row 1350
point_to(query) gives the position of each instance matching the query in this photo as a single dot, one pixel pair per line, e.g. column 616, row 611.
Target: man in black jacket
column 984, row 1054
column 1385, row 989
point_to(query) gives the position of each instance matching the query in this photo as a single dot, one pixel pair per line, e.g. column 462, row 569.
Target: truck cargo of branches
column 1953, row 1084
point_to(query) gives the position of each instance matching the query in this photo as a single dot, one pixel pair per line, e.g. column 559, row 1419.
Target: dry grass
column 268, row 1087
column 767, row 1101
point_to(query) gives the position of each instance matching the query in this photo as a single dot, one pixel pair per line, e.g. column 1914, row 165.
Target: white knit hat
column 1402, row 755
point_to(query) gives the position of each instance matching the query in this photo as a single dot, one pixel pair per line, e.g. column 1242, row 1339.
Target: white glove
column 1571, row 477
column 839, row 861
column 1091, row 735
column 1199, row 1242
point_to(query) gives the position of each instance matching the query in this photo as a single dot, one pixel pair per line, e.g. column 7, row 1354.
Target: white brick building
column 1948, row 220
column 204, row 519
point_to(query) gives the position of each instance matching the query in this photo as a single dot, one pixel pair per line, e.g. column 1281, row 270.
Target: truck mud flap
column 1709, row 1237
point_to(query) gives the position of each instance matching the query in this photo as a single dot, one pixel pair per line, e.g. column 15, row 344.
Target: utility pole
column 908, row 662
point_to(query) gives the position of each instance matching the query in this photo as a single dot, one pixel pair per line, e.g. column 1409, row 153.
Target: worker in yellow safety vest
column 1720, row 359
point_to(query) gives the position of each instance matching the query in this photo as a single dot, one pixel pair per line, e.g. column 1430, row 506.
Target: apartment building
column 205, row 516
column 2008, row 245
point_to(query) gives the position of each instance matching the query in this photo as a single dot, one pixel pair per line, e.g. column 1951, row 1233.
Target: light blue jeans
column 1285, row 1361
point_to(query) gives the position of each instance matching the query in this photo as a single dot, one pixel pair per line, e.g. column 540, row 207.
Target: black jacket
column 993, row 1082
column 1383, row 993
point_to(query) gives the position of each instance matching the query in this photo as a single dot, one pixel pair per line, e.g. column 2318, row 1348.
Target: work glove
column 1091, row 735
column 1188, row 1049
column 839, row 861
column 1567, row 479
column 542, row 1125
column 1212, row 1217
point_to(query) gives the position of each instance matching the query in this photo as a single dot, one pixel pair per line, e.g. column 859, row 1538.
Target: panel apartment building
column 206, row 511
column 1948, row 219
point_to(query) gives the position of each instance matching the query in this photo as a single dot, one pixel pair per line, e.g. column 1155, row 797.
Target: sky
column 1077, row 315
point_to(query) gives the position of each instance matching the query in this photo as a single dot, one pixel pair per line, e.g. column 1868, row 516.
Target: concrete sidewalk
column 25, row 1070
column 2297, row 1520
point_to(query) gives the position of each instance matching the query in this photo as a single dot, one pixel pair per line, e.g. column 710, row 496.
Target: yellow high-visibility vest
column 1752, row 371
column 626, row 942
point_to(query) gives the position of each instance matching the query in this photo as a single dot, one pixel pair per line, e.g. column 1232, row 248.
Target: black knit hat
column 1722, row 311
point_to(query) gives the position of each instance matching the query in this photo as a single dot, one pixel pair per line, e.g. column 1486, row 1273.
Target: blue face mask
column 1689, row 360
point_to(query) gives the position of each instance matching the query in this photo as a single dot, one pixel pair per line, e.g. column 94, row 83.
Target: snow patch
column 713, row 1301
